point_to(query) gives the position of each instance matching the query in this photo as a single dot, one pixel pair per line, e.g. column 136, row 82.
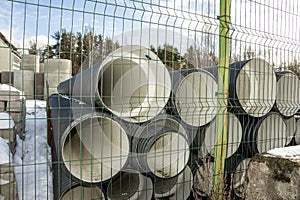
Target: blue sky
column 261, row 24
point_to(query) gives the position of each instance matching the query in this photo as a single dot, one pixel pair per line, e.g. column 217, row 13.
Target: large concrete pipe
column 178, row 187
column 288, row 93
column 130, row 185
column 24, row 81
column 65, row 187
column 92, row 146
column 252, row 87
column 291, row 128
column 56, row 71
column 30, row 62
column 239, row 178
column 160, row 148
column 265, row 133
column 194, row 97
column 234, row 136
column 131, row 82
column 58, row 66
column 297, row 134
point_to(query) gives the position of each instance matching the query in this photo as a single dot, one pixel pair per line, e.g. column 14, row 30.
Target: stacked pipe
column 155, row 118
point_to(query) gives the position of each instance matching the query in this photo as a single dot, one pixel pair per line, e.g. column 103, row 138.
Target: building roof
column 14, row 49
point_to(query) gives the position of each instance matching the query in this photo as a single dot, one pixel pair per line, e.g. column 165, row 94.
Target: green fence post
column 224, row 56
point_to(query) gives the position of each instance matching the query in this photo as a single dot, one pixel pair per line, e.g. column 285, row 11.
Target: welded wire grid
column 139, row 119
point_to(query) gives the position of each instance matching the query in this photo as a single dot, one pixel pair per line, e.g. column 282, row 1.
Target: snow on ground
column 33, row 155
column 286, row 152
column 6, row 156
column 7, row 121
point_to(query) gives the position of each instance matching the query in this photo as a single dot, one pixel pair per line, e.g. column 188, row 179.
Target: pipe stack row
column 132, row 128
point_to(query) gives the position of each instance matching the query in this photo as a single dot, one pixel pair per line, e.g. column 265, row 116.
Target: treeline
column 86, row 49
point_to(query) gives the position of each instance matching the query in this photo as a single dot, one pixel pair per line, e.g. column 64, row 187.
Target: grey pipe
column 160, row 148
column 92, row 146
column 297, row 134
column 178, row 187
column 65, row 187
column 131, row 185
column 239, row 178
column 265, row 133
column 291, row 127
column 131, row 82
column 252, row 87
column 288, row 93
column 193, row 97
column 234, row 136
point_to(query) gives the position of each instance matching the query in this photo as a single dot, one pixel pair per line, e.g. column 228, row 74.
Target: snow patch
column 33, row 155
column 5, row 87
column 286, row 152
column 6, row 121
column 5, row 153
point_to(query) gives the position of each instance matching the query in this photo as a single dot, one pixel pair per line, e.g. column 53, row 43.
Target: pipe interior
column 234, row 136
column 168, row 155
column 124, row 186
column 288, row 99
column 297, row 135
column 256, row 87
column 291, row 128
column 196, row 100
column 162, row 186
column 124, row 85
column 83, row 193
column 134, row 84
column 271, row 133
column 95, row 149
column 239, row 177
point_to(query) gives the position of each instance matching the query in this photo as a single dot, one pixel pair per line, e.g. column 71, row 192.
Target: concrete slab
column 9, row 93
column 15, row 106
column 8, row 134
column 7, row 77
column 2, row 106
column 17, row 116
column 39, row 86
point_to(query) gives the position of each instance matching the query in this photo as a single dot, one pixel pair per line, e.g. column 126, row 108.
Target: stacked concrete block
column 30, row 62
column 8, row 186
column 12, row 102
column 24, row 81
column 7, row 77
column 39, row 86
column 56, row 71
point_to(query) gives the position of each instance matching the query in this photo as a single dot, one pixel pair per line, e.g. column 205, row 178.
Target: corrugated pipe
column 252, row 87
column 130, row 184
column 131, row 82
column 160, row 148
column 178, row 187
column 193, row 96
column 93, row 146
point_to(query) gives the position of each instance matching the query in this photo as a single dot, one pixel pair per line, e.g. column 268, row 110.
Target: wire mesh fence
column 145, row 99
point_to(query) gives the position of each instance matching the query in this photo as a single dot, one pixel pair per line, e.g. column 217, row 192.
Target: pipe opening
column 271, row 133
column 256, row 87
column 83, row 193
column 124, row 186
column 94, row 149
column 168, row 155
column 239, row 177
column 234, row 136
column 287, row 99
column 163, row 186
column 291, row 127
column 132, row 85
column 196, row 99
column 297, row 135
